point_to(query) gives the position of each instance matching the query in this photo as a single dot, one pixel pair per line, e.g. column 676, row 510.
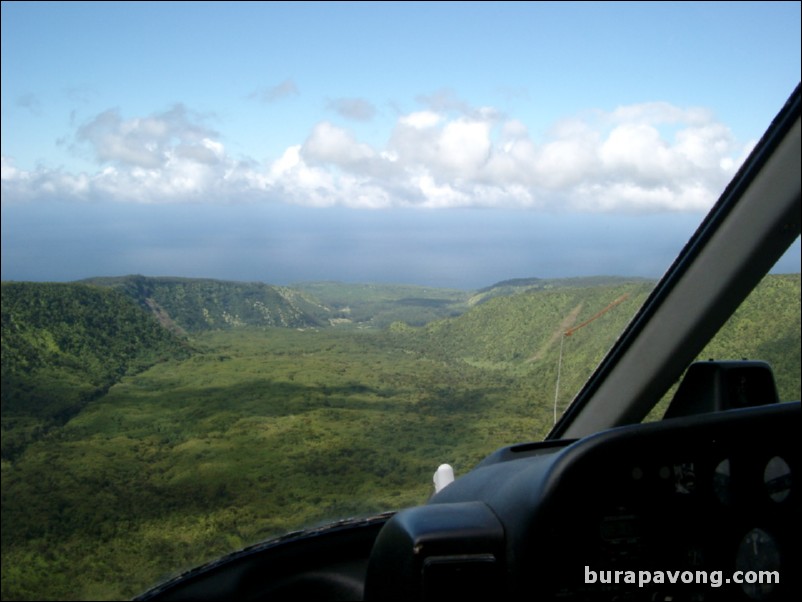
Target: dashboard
column 694, row 508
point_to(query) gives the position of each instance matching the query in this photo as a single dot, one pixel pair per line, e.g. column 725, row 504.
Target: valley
column 226, row 433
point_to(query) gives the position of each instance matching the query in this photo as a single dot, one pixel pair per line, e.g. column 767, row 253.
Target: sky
column 443, row 144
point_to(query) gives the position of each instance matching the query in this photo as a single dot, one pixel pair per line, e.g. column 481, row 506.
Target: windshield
column 268, row 265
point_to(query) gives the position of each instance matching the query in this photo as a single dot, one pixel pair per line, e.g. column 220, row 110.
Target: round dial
column 777, row 479
column 758, row 555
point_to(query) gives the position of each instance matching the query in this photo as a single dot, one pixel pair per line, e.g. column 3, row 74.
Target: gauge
column 684, row 477
column 722, row 483
column 758, row 558
column 621, row 534
column 621, row 529
column 777, row 479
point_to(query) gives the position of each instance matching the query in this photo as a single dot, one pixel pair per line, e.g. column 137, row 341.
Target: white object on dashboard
column 443, row 476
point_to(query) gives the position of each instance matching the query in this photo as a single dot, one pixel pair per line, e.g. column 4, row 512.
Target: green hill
column 65, row 344
column 530, row 285
column 522, row 335
column 525, row 326
column 524, row 332
column 766, row 327
column 195, row 305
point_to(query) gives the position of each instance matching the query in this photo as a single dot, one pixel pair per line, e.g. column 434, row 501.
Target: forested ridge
column 65, row 344
column 144, row 442
column 197, row 304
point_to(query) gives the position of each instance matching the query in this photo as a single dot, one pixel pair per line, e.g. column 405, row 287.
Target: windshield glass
column 268, row 265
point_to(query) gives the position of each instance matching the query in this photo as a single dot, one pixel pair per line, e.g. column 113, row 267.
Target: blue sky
column 451, row 144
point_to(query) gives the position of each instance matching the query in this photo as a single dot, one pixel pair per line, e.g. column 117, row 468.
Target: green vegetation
column 195, row 305
column 379, row 305
column 263, row 430
column 65, row 344
column 766, row 327
column 519, row 285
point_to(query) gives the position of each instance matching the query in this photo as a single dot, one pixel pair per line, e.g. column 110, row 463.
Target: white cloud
column 651, row 157
column 147, row 142
column 636, row 152
column 420, row 120
column 638, row 158
column 7, row 170
column 330, row 144
column 25, row 186
column 464, row 146
column 437, row 195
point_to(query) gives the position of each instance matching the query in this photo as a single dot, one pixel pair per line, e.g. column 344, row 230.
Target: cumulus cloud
column 329, row 144
column 41, row 184
column 148, row 142
column 168, row 156
column 420, row 120
column 638, row 158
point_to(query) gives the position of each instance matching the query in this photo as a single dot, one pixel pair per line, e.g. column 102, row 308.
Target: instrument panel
column 694, row 508
column 706, row 510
